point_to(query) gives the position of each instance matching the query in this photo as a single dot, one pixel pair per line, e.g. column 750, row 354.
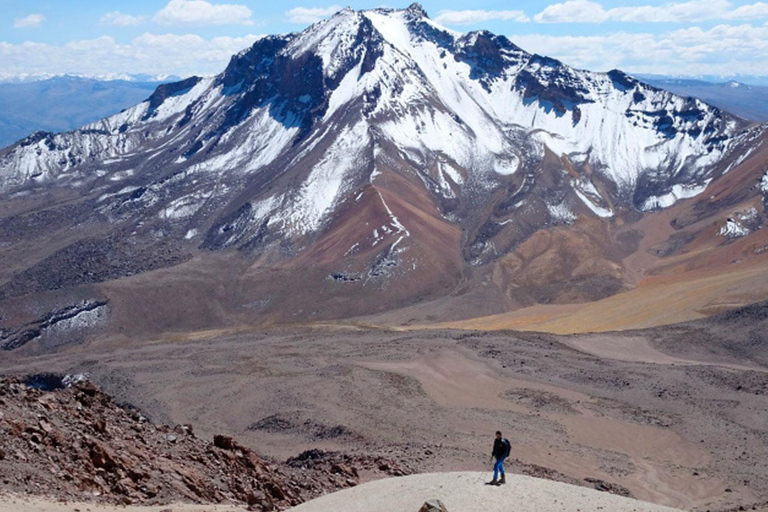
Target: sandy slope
column 655, row 302
column 465, row 492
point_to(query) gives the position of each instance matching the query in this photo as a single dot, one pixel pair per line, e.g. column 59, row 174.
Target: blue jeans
column 498, row 467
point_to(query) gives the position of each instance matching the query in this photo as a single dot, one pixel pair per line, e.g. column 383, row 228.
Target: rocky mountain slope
column 372, row 161
column 66, row 439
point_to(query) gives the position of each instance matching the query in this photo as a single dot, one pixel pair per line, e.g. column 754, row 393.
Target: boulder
column 223, row 442
column 433, row 506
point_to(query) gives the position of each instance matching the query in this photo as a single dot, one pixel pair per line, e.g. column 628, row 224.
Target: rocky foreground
column 65, row 439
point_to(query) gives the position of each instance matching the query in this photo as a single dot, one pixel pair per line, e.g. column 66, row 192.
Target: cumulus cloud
column 468, row 17
column 31, row 21
column 120, row 19
column 745, row 12
column 693, row 11
column 153, row 54
column 306, row 15
column 588, row 11
column 200, row 12
column 572, row 11
column 720, row 50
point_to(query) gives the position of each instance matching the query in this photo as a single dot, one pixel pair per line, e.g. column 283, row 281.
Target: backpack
column 507, row 447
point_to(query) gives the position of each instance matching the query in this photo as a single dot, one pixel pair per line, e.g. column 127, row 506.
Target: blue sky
column 183, row 37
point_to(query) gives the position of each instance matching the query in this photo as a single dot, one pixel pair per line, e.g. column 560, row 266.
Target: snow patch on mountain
column 350, row 88
column 561, row 213
column 596, row 209
column 448, row 177
column 452, row 173
column 395, row 223
column 591, row 197
column 305, row 212
column 178, row 103
column 183, row 207
column 742, row 223
column 507, row 165
column 259, row 143
column 677, row 193
column 740, row 159
column 733, row 229
column 85, row 319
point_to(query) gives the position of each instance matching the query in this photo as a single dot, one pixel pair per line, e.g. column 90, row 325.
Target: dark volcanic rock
column 93, row 261
column 348, row 465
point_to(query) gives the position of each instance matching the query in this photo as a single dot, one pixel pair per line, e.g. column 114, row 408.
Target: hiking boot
column 503, row 479
column 492, row 482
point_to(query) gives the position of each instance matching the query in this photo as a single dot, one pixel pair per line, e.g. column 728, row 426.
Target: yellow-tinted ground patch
column 658, row 301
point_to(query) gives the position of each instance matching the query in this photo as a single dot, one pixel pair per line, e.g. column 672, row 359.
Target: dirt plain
column 677, row 416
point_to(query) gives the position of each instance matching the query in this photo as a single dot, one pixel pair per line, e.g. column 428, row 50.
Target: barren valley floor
column 676, row 430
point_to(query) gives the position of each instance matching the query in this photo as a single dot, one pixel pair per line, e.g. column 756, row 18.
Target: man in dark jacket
column 501, row 449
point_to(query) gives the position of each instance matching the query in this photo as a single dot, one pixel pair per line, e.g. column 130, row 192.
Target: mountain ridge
column 64, row 103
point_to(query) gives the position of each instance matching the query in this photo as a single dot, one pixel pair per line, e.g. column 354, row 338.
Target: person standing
column 501, row 449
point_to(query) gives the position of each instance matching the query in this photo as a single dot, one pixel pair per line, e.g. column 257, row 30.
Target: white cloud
column 153, row 54
column 572, row 11
column 468, row 17
column 200, row 12
column 600, row 53
column 587, row 11
column 745, row 12
column 31, row 21
column 721, row 50
column 306, row 15
column 693, row 11
column 120, row 19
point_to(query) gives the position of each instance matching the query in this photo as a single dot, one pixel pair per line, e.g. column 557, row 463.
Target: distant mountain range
column 64, row 103
column 6, row 78
column 747, row 101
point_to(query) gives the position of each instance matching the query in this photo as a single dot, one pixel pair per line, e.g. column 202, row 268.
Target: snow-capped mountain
column 374, row 140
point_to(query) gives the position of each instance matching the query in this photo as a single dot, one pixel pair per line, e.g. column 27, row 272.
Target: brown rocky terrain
column 69, row 441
